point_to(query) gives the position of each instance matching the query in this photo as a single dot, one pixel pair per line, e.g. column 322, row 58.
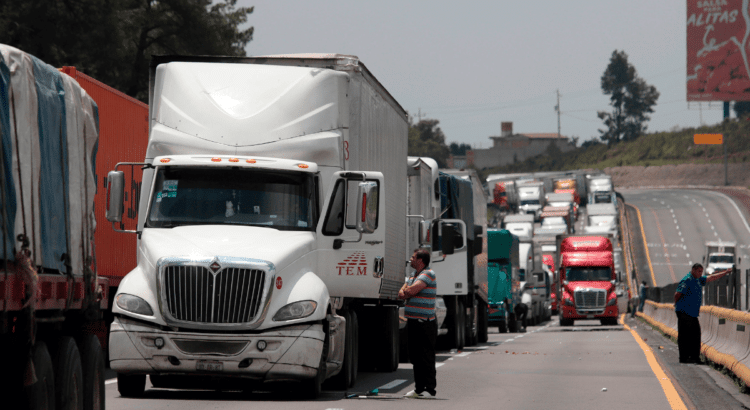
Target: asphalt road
column 677, row 223
column 547, row 367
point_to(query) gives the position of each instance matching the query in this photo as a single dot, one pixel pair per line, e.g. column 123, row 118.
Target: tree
column 112, row 40
column 426, row 139
column 459, row 149
column 631, row 100
column 742, row 108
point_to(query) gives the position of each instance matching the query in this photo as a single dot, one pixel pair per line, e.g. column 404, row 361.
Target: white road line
column 438, row 365
column 482, row 347
column 464, row 354
column 682, row 239
column 735, row 207
column 397, row 382
column 111, row 381
column 679, row 233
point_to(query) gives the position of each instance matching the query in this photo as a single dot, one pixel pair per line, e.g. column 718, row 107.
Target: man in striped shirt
column 419, row 293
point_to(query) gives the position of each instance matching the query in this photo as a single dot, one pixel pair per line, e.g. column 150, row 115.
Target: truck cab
column 531, row 198
column 720, row 255
column 587, row 279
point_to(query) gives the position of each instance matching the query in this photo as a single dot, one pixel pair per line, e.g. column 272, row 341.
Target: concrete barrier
column 725, row 334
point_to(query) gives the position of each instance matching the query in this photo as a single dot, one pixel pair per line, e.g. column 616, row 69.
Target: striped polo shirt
column 422, row 305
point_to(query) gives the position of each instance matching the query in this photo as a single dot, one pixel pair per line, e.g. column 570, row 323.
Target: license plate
column 207, row 366
column 589, row 316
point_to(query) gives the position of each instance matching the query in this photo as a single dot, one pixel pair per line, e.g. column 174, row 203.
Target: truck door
column 351, row 261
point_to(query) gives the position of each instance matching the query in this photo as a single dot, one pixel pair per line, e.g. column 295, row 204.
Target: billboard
column 718, row 40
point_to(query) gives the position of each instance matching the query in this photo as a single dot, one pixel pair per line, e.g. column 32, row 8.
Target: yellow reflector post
column 711, row 139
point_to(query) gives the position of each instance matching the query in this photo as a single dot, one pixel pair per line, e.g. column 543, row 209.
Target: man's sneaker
column 413, row 394
column 427, row 395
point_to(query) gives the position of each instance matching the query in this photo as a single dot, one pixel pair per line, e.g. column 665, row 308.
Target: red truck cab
column 587, row 279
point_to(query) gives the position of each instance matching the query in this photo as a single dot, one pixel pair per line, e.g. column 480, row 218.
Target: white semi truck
column 272, row 223
column 531, row 198
column 720, row 255
column 600, row 189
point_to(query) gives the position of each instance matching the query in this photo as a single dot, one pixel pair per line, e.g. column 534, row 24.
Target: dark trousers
column 421, row 338
column 688, row 337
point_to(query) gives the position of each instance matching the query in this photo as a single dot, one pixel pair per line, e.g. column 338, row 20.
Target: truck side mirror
column 367, row 205
column 115, row 193
column 448, row 239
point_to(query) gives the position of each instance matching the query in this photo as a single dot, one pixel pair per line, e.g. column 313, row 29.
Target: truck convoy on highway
column 600, row 189
column 601, row 218
column 587, row 287
column 53, row 300
column 503, row 279
column 720, row 256
column 285, row 191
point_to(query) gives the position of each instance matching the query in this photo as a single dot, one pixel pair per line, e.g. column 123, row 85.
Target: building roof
column 542, row 135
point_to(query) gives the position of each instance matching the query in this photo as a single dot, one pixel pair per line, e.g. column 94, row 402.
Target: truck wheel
column 458, row 339
column 472, row 326
column 92, row 361
column 355, row 347
column 344, row 378
column 512, row 322
column 482, row 336
column 41, row 395
column 391, row 353
column 68, row 375
column 311, row 388
column 566, row 322
column 131, row 385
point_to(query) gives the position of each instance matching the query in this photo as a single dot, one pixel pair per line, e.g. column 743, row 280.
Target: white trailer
column 272, row 223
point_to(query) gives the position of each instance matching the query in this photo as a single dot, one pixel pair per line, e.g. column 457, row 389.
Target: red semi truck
column 587, row 279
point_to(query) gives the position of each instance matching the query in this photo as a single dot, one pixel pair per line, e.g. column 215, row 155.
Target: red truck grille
column 590, row 301
column 195, row 294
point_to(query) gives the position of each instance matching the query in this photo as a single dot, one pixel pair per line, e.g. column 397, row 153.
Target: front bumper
column 292, row 352
column 570, row 312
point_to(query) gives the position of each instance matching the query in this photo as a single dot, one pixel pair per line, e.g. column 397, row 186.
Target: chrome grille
column 194, row 294
column 590, row 300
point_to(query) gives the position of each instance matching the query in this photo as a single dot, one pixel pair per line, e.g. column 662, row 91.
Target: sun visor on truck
column 456, row 200
column 208, row 101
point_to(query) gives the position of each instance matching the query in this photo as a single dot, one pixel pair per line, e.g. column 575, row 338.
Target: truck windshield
column 530, row 202
column 233, row 196
column 721, row 259
column 577, row 274
column 602, row 198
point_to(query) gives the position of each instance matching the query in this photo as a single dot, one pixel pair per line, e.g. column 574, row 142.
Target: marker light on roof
column 251, row 161
column 165, row 160
column 233, row 160
column 303, row 166
column 216, row 159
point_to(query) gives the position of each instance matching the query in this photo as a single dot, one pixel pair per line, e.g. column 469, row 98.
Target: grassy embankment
column 653, row 149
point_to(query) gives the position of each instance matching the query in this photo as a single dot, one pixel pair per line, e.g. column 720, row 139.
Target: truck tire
column 311, row 388
column 68, row 375
column 131, row 385
column 566, row 322
column 472, row 325
column 391, row 351
column 41, row 395
column 355, row 347
column 92, row 362
column 482, row 315
column 344, row 378
column 458, row 338
column 512, row 322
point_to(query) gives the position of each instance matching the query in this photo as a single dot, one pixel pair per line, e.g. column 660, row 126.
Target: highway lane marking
column 735, row 207
column 661, row 235
column 439, row 364
column 645, row 245
column 397, row 382
column 111, row 381
column 674, row 399
column 464, row 354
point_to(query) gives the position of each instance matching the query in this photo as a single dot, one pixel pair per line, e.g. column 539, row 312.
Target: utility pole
column 557, row 108
column 419, row 115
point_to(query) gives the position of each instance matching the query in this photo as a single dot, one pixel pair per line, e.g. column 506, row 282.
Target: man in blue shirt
column 687, row 304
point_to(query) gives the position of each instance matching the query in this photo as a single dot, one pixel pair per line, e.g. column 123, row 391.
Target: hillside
column 655, row 156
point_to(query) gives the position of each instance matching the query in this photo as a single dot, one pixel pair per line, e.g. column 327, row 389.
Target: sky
column 474, row 65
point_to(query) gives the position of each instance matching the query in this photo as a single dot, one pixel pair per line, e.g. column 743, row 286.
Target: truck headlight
column 612, row 301
column 296, row 310
column 133, row 304
column 568, row 302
